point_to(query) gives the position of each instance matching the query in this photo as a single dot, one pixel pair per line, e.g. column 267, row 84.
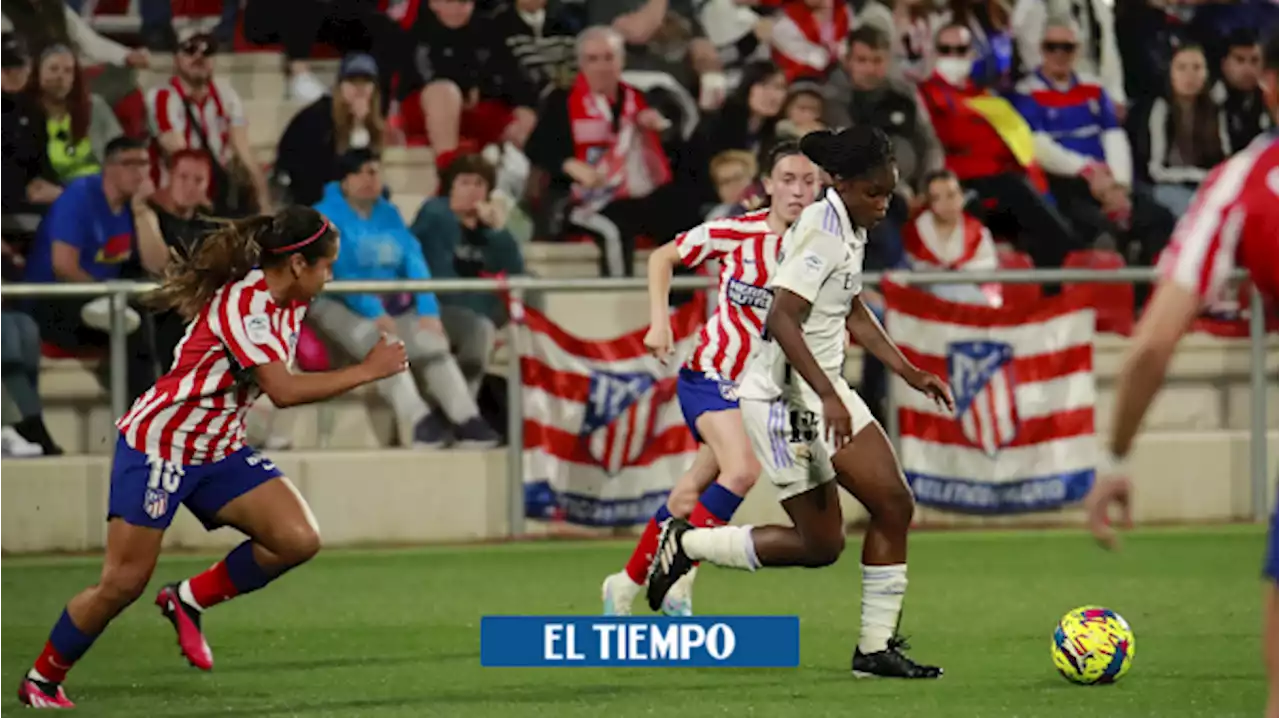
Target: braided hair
column 851, row 153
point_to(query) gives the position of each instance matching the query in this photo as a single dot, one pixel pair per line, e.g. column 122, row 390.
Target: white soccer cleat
column 618, row 593
column 679, row 600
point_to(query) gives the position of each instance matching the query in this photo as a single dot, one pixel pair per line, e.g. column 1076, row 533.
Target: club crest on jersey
column 621, row 411
column 747, row 295
column 155, row 503
column 985, row 389
column 258, row 328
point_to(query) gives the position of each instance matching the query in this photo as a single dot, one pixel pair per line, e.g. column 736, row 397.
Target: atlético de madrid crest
column 619, row 418
column 985, row 390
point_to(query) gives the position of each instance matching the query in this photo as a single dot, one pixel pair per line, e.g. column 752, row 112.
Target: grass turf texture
column 396, row 633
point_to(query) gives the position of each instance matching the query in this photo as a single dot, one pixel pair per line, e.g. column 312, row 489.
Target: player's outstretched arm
column 1168, row 316
column 662, row 265
column 870, row 334
column 286, row 389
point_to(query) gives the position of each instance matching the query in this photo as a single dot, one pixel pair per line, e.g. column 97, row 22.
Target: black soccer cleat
column 891, row 663
column 670, row 562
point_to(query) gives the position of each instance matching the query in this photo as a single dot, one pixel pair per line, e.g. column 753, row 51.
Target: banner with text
column 604, row 438
column 640, row 641
column 1022, row 435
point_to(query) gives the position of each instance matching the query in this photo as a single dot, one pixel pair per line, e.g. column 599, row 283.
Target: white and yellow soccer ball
column 1092, row 645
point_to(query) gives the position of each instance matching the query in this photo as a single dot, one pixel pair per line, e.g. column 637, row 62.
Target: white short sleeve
column 807, row 261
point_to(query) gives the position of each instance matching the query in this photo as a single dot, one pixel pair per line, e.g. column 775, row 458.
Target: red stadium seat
column 1112, row 302
column 53, row 351
column 1018, row 293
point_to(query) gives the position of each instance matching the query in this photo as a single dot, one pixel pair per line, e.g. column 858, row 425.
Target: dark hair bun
column 817, row 146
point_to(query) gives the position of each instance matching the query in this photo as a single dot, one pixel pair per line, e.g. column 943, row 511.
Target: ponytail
column 226, row 255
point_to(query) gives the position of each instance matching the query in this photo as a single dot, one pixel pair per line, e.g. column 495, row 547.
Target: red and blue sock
column 66, row 644
column 646, row 547
column 235, row 575
column 716, row 507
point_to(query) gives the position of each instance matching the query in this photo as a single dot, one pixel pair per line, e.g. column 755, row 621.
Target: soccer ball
column 1092, row 645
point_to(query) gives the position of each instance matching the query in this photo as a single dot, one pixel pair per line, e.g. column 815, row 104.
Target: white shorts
column 788, row 437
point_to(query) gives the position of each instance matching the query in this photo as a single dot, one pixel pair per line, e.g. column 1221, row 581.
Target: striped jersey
column 748, row 253
column 195, row 413
column 1232, row 222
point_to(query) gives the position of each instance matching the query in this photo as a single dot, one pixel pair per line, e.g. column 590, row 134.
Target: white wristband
column 1110, row 464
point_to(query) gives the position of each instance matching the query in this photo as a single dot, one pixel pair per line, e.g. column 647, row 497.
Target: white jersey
column 821, row 261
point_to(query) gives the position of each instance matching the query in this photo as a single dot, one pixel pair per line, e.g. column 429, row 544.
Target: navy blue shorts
column 1269, row 568
column 146, row 490
column 699, row 394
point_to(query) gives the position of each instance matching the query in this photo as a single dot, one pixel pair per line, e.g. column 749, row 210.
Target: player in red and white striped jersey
column 1233, row 222
column 746, row 248
column 183, row 441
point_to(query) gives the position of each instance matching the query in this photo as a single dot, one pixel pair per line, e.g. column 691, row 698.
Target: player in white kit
column 804, row 422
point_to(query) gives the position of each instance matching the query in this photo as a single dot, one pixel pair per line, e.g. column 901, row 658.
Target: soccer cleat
column 891, row 663
column 41, row 694
column 679, row 600
column 186, row 622
column 670, row 562
column 618, row 593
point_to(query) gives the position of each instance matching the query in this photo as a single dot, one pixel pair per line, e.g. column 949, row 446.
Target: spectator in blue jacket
column 376, row 244
column 1082, row 147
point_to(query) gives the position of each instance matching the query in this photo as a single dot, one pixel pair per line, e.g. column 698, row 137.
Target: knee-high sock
column 646, row 547
column 235, row 575
column 66, row 644
column 883, row 588
column 728, row 546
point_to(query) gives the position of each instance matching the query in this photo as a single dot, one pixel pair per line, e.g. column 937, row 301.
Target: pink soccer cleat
column 186, row 621
column 39, row 694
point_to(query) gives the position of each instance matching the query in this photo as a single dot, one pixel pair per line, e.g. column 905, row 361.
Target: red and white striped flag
column 1022, row 436
column 604, row 438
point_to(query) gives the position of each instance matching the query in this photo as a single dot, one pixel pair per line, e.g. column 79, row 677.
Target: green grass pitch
column 396, row 633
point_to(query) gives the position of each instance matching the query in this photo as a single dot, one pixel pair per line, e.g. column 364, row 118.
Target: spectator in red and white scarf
column 809, row 40
column 601, row 143
column 943, row 237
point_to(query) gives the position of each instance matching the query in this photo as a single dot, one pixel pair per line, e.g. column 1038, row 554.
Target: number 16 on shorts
column 165, row 479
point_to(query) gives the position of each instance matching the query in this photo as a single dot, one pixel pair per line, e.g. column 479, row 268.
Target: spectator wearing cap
column 1238, row 93
column 88, row 236
column 540, row 36
column 462, row 235
column 350, row 26
column 376, row 244
column 862, row 92
column 600, row 144
column 27, row 180
column 24, row 433
column 313, row 144
column 468, row 91
column 987, row 145
column 1080, row 144
column 195, row 110
column 804, row 109
column 810, row 38
column 78, row 124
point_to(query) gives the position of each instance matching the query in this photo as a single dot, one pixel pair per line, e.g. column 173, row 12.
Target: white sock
column 184, row 593
column 728, row 546
column 882, row 590
column 34, row 675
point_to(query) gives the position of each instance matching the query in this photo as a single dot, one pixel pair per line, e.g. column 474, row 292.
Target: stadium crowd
column 1027, row 132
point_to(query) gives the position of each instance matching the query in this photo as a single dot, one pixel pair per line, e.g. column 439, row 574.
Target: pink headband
column 298, row 245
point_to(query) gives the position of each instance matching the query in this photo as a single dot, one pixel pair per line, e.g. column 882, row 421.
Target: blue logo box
column 640, row 641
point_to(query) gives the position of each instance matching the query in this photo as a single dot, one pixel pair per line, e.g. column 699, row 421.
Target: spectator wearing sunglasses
column 1081, row 145
column 78, row 124
column 195, row 110
column 980, row 132
column 1098, row 53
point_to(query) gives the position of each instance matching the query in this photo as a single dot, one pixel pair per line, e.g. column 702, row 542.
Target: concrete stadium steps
column 1208, row 390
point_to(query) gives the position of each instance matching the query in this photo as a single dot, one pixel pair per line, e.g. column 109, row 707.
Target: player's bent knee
column 682, row 500
column 824, row 550
column 740, row 475
column 442, row 91
column 297, row 544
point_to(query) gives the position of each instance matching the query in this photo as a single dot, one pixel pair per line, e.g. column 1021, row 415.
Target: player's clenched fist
column 387, row 358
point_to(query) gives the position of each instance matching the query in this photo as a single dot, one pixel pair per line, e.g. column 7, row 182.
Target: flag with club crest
column 1022, row 435
column 604, row 438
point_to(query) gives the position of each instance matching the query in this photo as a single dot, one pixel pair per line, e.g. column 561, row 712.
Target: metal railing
column 520, row 287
